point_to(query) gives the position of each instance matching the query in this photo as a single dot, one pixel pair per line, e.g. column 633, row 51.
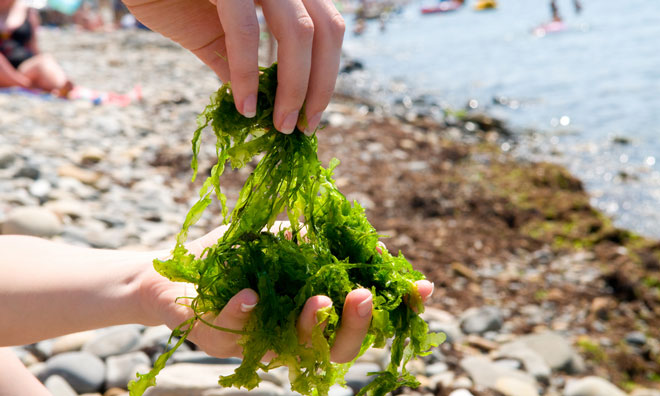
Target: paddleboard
column 550, row 27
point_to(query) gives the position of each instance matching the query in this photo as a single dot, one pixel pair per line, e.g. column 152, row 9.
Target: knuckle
column 304, row 29
column 337, row 27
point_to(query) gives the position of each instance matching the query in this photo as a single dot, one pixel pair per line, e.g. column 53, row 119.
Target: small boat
column 442, row 6
column 485, row 5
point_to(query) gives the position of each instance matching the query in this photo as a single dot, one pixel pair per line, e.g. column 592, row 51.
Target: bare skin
column 50, row 289
column 225, row 36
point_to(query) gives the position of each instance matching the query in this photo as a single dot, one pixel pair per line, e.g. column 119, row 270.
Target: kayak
column 550, row 27
column 485, row 5
column 443, row 6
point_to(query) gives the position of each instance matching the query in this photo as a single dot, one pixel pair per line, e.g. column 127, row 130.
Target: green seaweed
column 329, row 249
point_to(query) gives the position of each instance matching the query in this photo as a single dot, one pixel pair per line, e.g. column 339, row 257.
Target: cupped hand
column 162, row 293
column 225, row 35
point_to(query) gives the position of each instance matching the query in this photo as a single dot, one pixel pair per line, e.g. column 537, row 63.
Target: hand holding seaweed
column 329, row 249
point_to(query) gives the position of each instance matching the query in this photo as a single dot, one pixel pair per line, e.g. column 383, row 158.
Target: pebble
column 26, row 357
column 188, row 379
column 592, row 386
column 72, row 208
column 451, row 329
column 113, row 341
column 512, row 364
column 155, row 337
column 264, row 389
column 28, row 172
column 337, row 390
column 83, row 371
column 463, row 382
column 533, row 362
column 357, row 377
column 485, row 372
column 34, row 221
column 82, row 175
column 552, row 347
column 436, row 368
column 58, row 386
column 508, row 386
column 481, row 320
column 40, row 189
column 461, row 392
column 645, row 392
column 636, row 338
column 37, row 369
column 71, row 342
column 200, row 357
column 445, row 380
column 7, row 157
column 115, row 392
column 121, row 369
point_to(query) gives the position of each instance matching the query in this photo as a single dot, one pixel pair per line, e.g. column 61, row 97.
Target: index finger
column 241, row 27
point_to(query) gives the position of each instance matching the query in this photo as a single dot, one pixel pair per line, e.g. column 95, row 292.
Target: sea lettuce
column 329, row 249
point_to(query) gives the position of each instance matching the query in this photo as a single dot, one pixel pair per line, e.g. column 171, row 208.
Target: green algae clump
column 329, row 249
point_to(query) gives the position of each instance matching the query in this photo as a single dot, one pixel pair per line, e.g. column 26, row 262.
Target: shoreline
column 489, row 229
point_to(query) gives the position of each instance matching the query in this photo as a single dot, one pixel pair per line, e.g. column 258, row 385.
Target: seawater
column 583, row 90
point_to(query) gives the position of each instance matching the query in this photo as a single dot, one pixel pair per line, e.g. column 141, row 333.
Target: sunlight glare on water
column 595, row 83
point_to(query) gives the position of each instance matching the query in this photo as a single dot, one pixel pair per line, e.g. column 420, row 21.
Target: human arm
column 225, row 36
column 49, row 289
column 15, row 379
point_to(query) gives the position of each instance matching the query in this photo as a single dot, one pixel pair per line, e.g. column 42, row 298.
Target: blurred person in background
column 555, row 10
column 21, row 63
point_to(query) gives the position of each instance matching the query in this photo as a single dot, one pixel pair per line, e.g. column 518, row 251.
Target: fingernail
column 250, row 106
column 312, row 124
column 364, row 308
column 289, row 122
column 247, row 307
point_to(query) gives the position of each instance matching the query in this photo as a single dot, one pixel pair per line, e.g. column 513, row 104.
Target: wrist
column 157, row 296
column 146, row 290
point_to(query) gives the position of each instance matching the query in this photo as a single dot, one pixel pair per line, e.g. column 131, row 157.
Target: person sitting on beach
column 21, row 63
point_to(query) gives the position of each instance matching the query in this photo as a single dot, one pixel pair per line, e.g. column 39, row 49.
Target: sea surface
column 587, row 97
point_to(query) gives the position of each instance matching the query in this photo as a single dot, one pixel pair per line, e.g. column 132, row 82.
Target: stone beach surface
column 537, row 292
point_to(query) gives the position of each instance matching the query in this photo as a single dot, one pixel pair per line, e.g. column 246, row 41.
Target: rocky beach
column 537, row 292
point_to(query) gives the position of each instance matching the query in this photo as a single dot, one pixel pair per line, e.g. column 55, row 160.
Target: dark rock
column 30, row 172
column 636, row 338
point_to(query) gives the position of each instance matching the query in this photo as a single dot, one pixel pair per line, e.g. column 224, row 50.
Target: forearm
column 9, row 76
column 15, row 379
column 49, row 289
